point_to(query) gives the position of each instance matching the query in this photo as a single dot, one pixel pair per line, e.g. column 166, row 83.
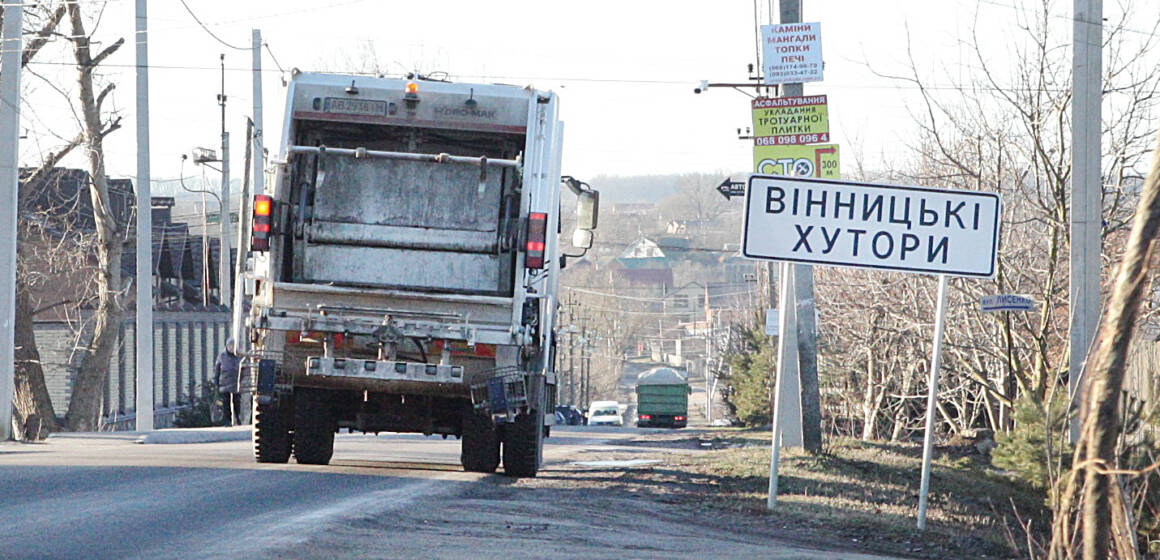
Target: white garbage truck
column 406, row 260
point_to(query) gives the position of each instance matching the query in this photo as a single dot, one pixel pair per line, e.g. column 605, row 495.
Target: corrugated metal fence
column 185, row 344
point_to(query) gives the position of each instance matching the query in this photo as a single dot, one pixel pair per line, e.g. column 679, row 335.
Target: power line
column 207, row 30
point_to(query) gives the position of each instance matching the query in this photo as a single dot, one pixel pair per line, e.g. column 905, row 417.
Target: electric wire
column 207, row 29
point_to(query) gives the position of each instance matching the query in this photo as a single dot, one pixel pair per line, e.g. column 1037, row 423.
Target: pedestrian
column 227, row 376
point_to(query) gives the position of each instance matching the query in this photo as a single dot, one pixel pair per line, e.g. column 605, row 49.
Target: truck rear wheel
column 314, row 426
column 271, row 432
column 480, row 446
column 520, row 455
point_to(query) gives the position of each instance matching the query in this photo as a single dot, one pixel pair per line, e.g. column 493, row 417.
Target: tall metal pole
column 784, row 360
column 932, row 399
column 1086, row 187
column 144, row 335
column 224, row 209
column 259, row 155
column 11, row 46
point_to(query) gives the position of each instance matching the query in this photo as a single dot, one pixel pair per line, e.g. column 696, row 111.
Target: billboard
column 781, row 121
column 791, row 53
column 820, row 161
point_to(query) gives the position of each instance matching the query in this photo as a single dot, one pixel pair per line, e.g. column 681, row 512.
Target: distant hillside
column 634, row 188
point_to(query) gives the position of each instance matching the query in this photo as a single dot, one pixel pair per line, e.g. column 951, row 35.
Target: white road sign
column 1006, row 302
column 912, row 229
column 791, row 52
column 771, row 321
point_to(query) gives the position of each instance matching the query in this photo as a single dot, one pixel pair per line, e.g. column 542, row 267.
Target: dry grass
column 855, row 494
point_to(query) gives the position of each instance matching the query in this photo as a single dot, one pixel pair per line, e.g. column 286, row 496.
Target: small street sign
column 730, row 188
column 771, row 327
column 1006, row 302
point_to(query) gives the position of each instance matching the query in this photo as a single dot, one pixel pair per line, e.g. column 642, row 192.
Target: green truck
column 662, row 399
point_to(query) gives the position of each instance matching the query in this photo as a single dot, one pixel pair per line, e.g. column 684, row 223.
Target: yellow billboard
column 782, row 121
column 819, row 161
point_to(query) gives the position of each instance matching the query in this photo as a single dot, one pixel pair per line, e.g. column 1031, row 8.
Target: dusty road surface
column 386, row 496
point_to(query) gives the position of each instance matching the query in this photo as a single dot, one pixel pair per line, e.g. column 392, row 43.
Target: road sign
column 912, row 229
column 730, row 188
column 1006, row 302
column 771, row 317
column 791, row 53
column 800, row 161
column 781, row 121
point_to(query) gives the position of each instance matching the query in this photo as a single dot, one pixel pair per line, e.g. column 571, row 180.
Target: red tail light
column 260, row 236
column 537, row 240
column 678, row 418
column 646, row 417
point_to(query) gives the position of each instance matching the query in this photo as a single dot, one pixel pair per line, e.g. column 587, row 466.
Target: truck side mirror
column 582, row 239
column 587, row 210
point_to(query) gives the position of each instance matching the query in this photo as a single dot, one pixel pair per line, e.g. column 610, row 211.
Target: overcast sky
column 625, row 69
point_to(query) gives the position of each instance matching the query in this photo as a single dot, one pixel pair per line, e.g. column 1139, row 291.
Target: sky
column 625, row 70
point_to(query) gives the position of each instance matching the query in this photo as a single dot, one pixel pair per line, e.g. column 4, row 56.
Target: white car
column 605, row 413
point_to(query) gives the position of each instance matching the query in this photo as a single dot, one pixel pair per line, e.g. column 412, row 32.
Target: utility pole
column 259, row 153
column 144, row 335
column 1086, row 187
column 708, row 360
column 803, row 288
column 224, row 208
column 243, row 247
column 11, row 45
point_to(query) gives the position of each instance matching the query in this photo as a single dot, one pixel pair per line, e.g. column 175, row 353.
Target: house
column 643, row 263
column 56, row 217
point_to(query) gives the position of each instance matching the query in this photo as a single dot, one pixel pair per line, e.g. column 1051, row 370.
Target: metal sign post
column 786, row 372
column 931, row 397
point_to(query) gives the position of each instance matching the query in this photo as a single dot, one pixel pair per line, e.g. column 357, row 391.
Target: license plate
column 354, row 106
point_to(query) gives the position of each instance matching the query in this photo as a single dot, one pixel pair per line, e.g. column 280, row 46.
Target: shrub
column 1025, row 450
column 199, row 413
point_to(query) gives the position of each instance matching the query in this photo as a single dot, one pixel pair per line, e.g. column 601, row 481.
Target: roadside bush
column 1033, row 447
column 750, row 386
column 199, row 413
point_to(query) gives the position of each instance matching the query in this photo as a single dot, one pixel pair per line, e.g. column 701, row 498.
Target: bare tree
column 85, row 405
column 1094, row 477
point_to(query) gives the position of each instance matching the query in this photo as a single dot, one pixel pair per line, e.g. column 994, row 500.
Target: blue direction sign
column 1006, row 302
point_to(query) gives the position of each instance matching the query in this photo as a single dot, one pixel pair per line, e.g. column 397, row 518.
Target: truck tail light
column 260, row 236
column 678, row 418
column 537, row 240
column 646, row 417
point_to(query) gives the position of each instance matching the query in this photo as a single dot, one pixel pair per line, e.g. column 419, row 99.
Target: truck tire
column 271, row 432
column 519, row 446
column 480, row 446
column 314, row 426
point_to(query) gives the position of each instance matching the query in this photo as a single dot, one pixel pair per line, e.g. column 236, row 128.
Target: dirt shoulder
column 854, row 497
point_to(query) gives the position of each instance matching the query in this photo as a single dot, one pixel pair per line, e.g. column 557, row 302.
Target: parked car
column 572, row 415
column 605, row 413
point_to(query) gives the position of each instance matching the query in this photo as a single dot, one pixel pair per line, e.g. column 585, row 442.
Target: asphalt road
column 389, row 496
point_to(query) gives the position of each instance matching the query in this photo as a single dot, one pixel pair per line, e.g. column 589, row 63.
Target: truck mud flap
column 267, row 376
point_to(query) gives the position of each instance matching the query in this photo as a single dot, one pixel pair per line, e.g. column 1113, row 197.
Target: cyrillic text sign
column 913, row 229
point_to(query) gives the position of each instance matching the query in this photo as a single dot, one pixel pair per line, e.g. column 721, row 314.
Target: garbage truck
column 662, row 398
column 406, row 260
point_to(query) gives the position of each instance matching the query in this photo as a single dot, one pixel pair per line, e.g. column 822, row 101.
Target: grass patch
column 867, row 494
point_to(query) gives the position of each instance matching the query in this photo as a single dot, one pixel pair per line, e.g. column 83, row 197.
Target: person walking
column 227, row 376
